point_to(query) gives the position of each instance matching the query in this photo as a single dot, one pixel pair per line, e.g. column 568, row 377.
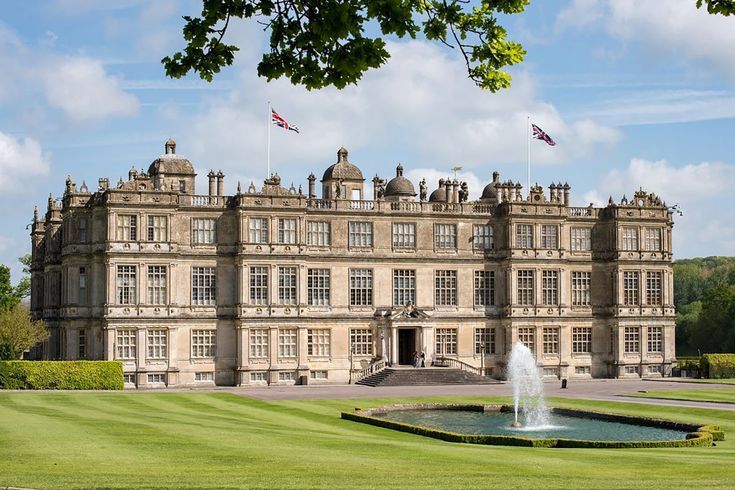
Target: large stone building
column 273, row 284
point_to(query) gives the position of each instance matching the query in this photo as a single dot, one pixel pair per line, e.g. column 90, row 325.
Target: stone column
column 393, row 345
column 211, row 176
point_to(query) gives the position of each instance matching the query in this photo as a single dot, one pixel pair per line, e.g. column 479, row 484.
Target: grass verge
column 720, row 395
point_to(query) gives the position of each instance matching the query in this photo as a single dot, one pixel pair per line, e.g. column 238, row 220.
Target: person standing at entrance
column 423, row 359
column 415, row 359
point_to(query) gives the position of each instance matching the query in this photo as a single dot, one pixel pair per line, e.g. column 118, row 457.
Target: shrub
column 61, row 375
column 716, row 366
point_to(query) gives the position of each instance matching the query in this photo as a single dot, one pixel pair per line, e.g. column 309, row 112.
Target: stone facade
column 274, row 285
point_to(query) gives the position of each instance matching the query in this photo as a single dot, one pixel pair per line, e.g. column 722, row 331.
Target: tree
column 23, row 289
column 318, row 43
column 18, row 332
column 8, row 294
column 716, row 324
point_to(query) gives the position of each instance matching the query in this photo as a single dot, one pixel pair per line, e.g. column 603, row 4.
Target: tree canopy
column 18, row 332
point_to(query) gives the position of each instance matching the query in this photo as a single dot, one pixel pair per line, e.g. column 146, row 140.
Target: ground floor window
column 632, row 340
column 484, row 341
column 527, row 335
column 631, row 369
column 129, row 379
column 361, row 341
column 286, row 376
column 582, row 370
column 125, row 340
column 258, row 343
column 446, row 341
column 551, row 371
column 318, row 375
column 258, row 377
column 318, row 342
column 654, row 369
column 204, row 376
column 581, row 340
column 287, row 342
column 655, row 336
column 203, row 343
column 156, row 378
column 551, row 340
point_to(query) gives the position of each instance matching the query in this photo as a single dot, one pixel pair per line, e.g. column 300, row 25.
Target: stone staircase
column 424, row 377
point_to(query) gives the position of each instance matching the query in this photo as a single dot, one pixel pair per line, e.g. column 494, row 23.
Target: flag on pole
column 539, row 134
column 281, row 122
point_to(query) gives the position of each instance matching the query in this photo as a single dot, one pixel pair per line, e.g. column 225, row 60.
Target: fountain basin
column 491, row 424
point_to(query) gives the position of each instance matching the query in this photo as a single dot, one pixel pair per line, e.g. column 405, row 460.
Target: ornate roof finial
column 170, row 147
column 239, row 189
column 35, row 214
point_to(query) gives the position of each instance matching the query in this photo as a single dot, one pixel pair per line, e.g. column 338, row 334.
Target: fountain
column 528, row 389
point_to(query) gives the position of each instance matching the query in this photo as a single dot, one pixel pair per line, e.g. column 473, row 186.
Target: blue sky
column 637, row 93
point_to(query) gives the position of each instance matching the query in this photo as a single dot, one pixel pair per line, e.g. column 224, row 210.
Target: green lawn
column 124, row 440
column 724, row 381
column 726, row 395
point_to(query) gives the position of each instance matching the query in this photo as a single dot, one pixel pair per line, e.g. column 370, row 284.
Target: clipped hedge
column 61, row 375
column 700, row 436
column 718, row 366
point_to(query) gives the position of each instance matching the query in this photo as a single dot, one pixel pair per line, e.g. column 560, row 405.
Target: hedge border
column 61, row 375
column 697, row 436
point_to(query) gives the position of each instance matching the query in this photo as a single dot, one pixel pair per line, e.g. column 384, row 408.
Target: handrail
column 374, row 367
column 456, row 363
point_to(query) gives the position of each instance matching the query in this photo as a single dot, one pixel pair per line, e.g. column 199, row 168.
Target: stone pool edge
column 697, row 435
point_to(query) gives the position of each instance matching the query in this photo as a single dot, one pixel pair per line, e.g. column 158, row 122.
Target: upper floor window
column 653, row 288
column 127, row 227
column 157, row 228
column 126, row 284
column 404, row 235
column 630, row 238
column 360, row 234
column 361, row 287
column 156, row 284
column 258, row 285
column 287, row 230
column 550, row 288
column 630, row 288
column 653, row 239
column 203, row 286
column 445, row 288
column 258, row 230
column 581, row 239
column 203, row 231
column 287, row 285
column 82, row 299
column 82, row 230
column 525, row 287
column 581, row 288
column 549, row 236
column 482, row 237
column 484, row 288
column 404, row 287
column 445, row 236
column 317, row 233
column 318, row 287
column 524, row 236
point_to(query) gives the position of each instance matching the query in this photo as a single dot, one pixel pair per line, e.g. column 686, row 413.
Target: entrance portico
column 405, row 330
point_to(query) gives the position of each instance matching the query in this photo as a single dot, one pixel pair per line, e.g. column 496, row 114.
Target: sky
column 636, row 93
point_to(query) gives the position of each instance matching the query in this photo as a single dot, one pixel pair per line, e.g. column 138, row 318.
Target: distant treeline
column 704, row 295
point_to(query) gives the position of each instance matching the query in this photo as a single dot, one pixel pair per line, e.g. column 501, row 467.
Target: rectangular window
column 445, row 236
column 318, row 342
column 285, row 376
column 484, row 288
column 654, row 369
column 157, row 228
column 157, row 284
column 259, row 285
column 582, row 370
column 581, row 239
column 287, row 285
column 361, row 341
column 259, row 343
column 287, row 342
column 203, row 286
column 361, row 287
column 655, row 339
column 156, row 378
column 525, row 287
column 125, row 344
column 318, row 375
column 204, row 376
column 581, row 288
column 126, row 284
column 317, row 233
column 157, row 340
column 445, row 288
column 549, row 236
column 653, row 239
column 484, row 341
column 482, row 237
column 82, row 230
column 551, row 372
column 632, row 340
column 551, row 340
column 631, row 369
column 258, row 230
column 653, row 288
column 404, row 235
column 527, row 335
column 127, row 227
column 287, row 230
column 446, row 341
column 203, row 343
column 203, row 231
column 360, row 234
column 404, row 287
column 82, row 344
column 129, row 379
column 82, row 299
column 630, row 288
column 581, row 340
column 630, row 238
column 524, row 236
column 550, row 288
column 318, row 287
column 258, row 377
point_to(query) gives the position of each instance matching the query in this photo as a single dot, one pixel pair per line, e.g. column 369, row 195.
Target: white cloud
column 674, row 27
column 20, row 161
column 81, row 88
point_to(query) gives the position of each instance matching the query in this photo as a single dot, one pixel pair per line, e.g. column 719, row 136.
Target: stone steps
column 424, row 377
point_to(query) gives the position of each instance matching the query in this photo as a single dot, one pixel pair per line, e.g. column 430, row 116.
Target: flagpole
column 528, row 143
column 268, row 175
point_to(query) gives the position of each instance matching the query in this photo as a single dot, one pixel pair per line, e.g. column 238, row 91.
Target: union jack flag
column 539, row 134
column 281, row 122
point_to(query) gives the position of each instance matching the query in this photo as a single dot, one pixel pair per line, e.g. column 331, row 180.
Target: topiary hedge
column 717, row 366
column 61, row 375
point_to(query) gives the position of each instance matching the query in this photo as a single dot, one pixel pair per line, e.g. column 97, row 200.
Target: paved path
column 600, row 389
